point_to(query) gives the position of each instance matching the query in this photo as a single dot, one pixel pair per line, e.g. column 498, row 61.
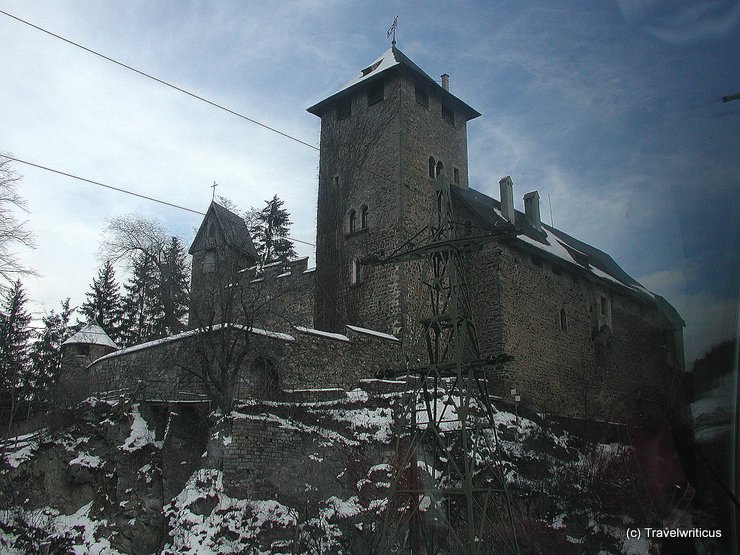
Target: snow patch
column 86, row 460
column 140, row 435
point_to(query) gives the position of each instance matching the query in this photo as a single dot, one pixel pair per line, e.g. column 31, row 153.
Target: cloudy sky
column 612, row 110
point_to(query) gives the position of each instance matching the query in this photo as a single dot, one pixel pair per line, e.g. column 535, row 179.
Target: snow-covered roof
column 320, row 333
column 374, row 333
column 189, row 333
column 553, row 242
column 389, row 60
column 385, row 61
column 91, row 334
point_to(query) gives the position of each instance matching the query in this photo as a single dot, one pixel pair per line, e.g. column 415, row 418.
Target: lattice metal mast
column 451, row 433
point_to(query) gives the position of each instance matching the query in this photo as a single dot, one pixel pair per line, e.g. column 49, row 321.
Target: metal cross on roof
column 214, row 190
column 392, row 31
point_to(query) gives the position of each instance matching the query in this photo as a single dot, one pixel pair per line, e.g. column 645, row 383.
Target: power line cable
column 98, row 183
column 160, row 81
column 163, row 82
column 120, row 190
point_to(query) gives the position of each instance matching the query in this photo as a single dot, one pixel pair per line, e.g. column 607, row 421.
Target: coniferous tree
column 14, row 359
column 270, row 233
column 139, row 308
column 46, row 352
column 173, row 288
column 103, row 302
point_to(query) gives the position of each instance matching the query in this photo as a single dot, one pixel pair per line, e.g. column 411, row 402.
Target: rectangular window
column 422, row 95
column 456, row 176
column 375, row 93
column 448, row 114
column 209, row 262
column 344, row 108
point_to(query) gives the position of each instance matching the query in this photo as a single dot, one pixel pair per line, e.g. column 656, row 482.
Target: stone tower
column 221, row 249
column 385, row 137
column 78, row 352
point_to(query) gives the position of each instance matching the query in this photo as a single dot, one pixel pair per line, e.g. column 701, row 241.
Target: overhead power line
column 99, row 184
column 120, row 190
column 163, row 82
column 160, row 81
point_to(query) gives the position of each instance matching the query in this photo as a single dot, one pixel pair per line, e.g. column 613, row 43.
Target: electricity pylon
column 449, row 491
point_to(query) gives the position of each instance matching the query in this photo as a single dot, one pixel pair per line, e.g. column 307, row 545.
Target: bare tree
column 131, row 235
column 13, row 233
column 224, row 344
column 136, row 240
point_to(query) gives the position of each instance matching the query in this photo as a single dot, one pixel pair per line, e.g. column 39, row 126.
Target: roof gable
column 389, row 61
column 228, row 230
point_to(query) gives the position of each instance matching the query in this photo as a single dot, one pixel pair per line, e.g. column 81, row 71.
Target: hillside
column 115, row 476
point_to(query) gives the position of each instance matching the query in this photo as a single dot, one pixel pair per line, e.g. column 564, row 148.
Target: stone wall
column 582, row 370
column 283, row 296
column 379, row 158
column 259, row 451
column 306, row 358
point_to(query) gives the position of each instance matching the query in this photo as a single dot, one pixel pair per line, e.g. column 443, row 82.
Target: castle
column 584, row 338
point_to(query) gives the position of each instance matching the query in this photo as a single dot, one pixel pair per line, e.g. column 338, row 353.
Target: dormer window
column 375, row 93
column 369, row 69
column 344, row 108
column 448, row 114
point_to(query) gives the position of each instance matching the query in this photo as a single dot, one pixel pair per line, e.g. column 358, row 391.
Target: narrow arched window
column 356, row 270
column 563, row 320
column 440, row 168
column 363, row 217
column 431, row 166
column 351, row 221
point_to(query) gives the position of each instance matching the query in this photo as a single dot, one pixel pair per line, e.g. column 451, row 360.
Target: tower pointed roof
column 232, row 232
column 91, row 334
column 390, row 61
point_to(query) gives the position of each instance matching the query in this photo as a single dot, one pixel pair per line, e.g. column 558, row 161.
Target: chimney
column 532, row 209
column 445, row 82
column 507, row 198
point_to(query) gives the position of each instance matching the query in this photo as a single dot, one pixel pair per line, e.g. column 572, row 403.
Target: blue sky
column 612, row 110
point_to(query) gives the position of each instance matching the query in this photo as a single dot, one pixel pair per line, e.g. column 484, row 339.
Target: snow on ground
column 227, row 525
column 299, row 426
column 19, row 451
column 87, row 460
column 379, row 419
column 78, row 529
column 140, row 435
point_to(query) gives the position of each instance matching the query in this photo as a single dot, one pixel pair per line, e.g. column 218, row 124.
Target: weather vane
column 392, row 31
